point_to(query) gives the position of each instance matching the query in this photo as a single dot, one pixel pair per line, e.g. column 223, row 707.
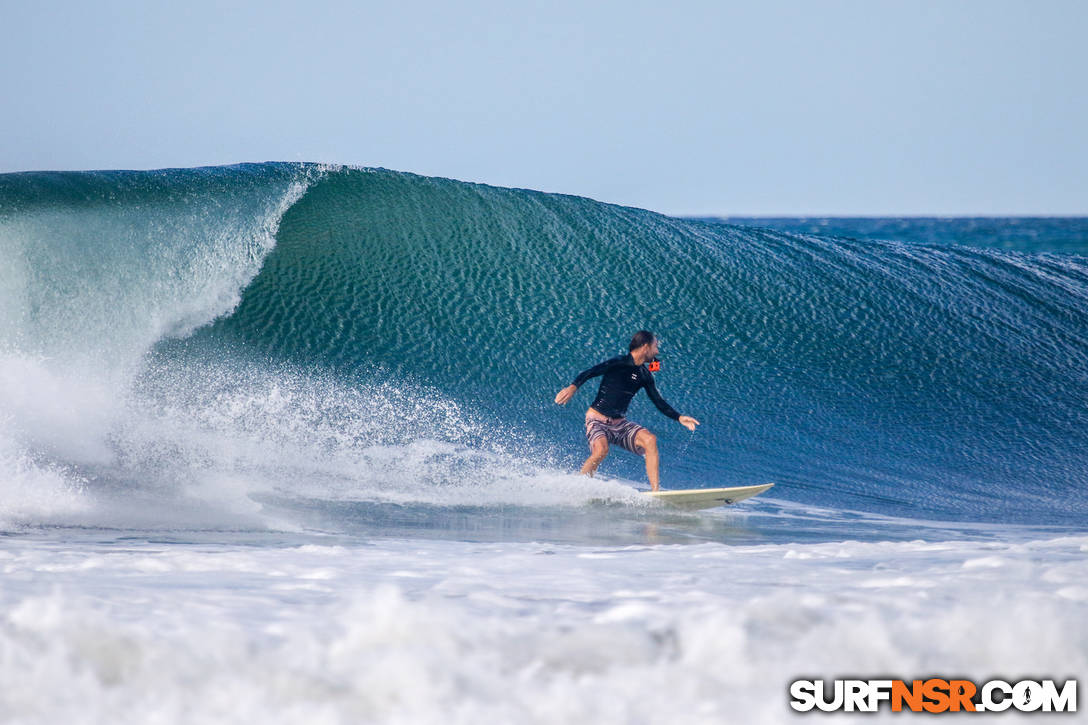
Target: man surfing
column 624, row 376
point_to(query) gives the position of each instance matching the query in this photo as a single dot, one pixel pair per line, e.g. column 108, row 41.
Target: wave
column 905, row 379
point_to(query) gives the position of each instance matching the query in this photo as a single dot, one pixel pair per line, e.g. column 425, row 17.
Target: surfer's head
column 644, row 345
column 642, row 337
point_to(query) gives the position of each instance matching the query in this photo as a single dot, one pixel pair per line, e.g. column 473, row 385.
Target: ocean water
column 1020, row 234
column 277, row 444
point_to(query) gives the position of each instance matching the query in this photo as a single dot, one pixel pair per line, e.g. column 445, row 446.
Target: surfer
column 624, row 376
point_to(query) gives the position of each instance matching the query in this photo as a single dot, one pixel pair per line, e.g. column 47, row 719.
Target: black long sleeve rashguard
column 622, row 380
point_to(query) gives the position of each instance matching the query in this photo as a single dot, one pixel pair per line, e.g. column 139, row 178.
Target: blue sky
column 795, row 108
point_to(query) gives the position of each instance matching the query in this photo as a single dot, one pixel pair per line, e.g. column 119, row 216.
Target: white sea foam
column 416, row 631
column 196, row 444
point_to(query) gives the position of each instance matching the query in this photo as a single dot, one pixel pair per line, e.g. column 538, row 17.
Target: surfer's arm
column 685, row 420
column 567, row 393
column 598, row 369
column 651, row 390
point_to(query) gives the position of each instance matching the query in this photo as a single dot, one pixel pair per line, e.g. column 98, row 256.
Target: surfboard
column 693, row 499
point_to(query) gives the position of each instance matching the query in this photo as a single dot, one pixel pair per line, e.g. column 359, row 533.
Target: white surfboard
column 705, row 498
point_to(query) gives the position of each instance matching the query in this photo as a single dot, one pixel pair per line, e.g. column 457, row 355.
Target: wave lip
column 98, row 268
column 101, row 265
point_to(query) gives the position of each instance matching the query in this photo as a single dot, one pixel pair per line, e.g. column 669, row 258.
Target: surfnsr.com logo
column 934, row 695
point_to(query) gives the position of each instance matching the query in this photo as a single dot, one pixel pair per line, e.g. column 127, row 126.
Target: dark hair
column 642, row 337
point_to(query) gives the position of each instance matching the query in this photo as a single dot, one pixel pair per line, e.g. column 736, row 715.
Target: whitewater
column 277, row 443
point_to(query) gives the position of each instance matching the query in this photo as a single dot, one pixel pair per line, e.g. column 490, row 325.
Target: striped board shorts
column 617, row 431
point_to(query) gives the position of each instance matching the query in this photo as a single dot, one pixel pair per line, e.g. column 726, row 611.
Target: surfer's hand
column 688, row 422
column 565, row 394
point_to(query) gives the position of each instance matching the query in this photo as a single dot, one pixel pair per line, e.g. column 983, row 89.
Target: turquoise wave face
column 904, row 379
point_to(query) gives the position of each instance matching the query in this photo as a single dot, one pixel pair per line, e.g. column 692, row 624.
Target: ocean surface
column 278, row 444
